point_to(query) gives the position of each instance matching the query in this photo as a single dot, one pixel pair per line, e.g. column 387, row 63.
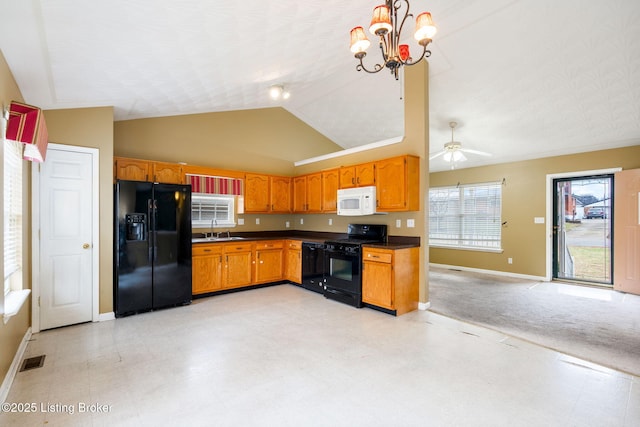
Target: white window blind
column 208, row 210
column 12, row 210
column 466, row 216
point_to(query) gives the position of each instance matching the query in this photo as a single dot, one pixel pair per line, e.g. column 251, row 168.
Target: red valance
column 215, row 185
column 26, row 124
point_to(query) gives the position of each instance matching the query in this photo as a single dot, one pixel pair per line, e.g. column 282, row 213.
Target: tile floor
column 284, row 356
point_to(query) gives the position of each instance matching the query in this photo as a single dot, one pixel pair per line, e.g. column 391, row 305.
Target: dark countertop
column 394, row 242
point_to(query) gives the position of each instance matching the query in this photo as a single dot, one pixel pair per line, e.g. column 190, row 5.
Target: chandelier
column 387, row 24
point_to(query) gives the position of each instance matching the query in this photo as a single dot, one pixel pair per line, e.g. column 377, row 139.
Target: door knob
column 86, row 246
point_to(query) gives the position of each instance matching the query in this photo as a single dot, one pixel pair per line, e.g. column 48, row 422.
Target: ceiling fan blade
column 435, row 156
column 471, row 151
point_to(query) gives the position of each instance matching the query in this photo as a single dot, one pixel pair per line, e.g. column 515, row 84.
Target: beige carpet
column 598, row 325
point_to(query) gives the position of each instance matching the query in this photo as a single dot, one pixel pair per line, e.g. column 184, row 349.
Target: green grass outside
column 591, row 263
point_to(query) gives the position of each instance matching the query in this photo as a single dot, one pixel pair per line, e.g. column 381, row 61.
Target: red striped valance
column 215, row 185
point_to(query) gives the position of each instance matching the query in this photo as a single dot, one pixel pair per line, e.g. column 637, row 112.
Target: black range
column 343, row 262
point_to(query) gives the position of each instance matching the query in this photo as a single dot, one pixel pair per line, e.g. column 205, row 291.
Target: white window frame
column 464, row 217
column 213, row 210
column 13, row 296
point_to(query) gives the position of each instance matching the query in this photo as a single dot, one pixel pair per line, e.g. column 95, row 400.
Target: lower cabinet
column 206, row 268
column 293, row 261
column 269, row 261
column 237, row 265
column 390, row 278
column 220, row 266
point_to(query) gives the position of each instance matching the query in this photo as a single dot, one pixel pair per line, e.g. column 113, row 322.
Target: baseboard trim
column 494, row 272
column 104, row 317
column 13, row 369
column 423, row 306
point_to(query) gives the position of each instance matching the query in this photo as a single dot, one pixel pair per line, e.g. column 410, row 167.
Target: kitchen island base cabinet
column 390, row 279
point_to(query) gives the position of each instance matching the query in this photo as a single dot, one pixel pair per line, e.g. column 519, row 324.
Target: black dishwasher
column 313, row 266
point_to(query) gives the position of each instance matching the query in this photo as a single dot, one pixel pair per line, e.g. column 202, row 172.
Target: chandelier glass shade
column 387, row 24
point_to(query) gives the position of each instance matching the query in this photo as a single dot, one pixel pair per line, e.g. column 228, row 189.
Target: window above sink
column 213, row 210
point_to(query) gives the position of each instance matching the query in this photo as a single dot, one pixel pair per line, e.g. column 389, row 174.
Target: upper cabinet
column 280, row 194
column 168, row 173
column 330, row 183
column 357, row 176
column 307, row 193
column 398, row 184
column 149, row 171
column 267, row 194
column 256, row 193
column 132, row 169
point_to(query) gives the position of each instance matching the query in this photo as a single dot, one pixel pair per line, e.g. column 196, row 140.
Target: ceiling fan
column 453, row 151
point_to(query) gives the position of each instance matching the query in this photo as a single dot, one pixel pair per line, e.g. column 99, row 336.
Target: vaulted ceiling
column 524, row 79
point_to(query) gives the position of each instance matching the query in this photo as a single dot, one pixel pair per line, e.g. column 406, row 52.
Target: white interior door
column 65, row 256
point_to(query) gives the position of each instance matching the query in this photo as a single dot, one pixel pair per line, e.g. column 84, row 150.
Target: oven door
column 343, row 281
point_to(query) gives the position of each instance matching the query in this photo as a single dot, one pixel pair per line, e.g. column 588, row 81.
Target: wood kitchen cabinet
column 237, row 264
column 357, row 176
column 280, row 189
column 148, row 171
column 307, row 193
column 269, row 261
column 330, row 184
column 398, row 184
column 257, row 198
column 390, row 278
column 132, row 169
column 167, row 173
column 293, row 261
column 207, row 267
column 267, row 194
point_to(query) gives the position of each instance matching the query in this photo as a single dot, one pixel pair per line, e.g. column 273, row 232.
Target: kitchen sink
column 215, row 239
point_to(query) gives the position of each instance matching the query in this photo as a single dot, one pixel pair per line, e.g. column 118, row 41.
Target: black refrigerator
column 152, row 246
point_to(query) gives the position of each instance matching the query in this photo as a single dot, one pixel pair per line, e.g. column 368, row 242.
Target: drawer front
column 271, row 244
column 294, row 244
column 203, row 250
column 238, row 247
column 377, row 256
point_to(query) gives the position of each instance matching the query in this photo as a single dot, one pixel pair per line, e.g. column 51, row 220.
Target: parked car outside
column 596, row 212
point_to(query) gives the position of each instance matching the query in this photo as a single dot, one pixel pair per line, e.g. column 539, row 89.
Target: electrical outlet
column 301, row 221
column 398, row 223
column 510, row 260
column 287, row 224
column 330, row 221
column 411, row 223
column 240, row 221
column 257, row 221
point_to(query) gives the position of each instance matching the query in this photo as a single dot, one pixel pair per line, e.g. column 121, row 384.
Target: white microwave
column 357, row 201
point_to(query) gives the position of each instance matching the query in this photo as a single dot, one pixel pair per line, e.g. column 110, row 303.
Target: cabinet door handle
column 207, row 250
column 353, row 181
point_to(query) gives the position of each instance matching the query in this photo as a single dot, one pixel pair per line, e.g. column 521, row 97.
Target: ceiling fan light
column 359, row 40
column 381, row 21
column 425, row 28
column 458, row 156
column 448, row 156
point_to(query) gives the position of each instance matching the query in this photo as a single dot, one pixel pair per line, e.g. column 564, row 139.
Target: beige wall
column 11, row 333
column 524, row 197
column 265, row 140
column 93, row 128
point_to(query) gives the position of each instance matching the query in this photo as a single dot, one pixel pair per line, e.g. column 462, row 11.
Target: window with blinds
column 12, row 210
column 209, row 210
column 466, row 216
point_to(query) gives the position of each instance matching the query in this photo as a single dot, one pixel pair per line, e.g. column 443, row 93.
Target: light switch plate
column 330, row 221
column 301, row 221
column 257, row 221
column 538, row 220
column 398, row 223
column 411, row 223
column 287, row 224
column 240, row 221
